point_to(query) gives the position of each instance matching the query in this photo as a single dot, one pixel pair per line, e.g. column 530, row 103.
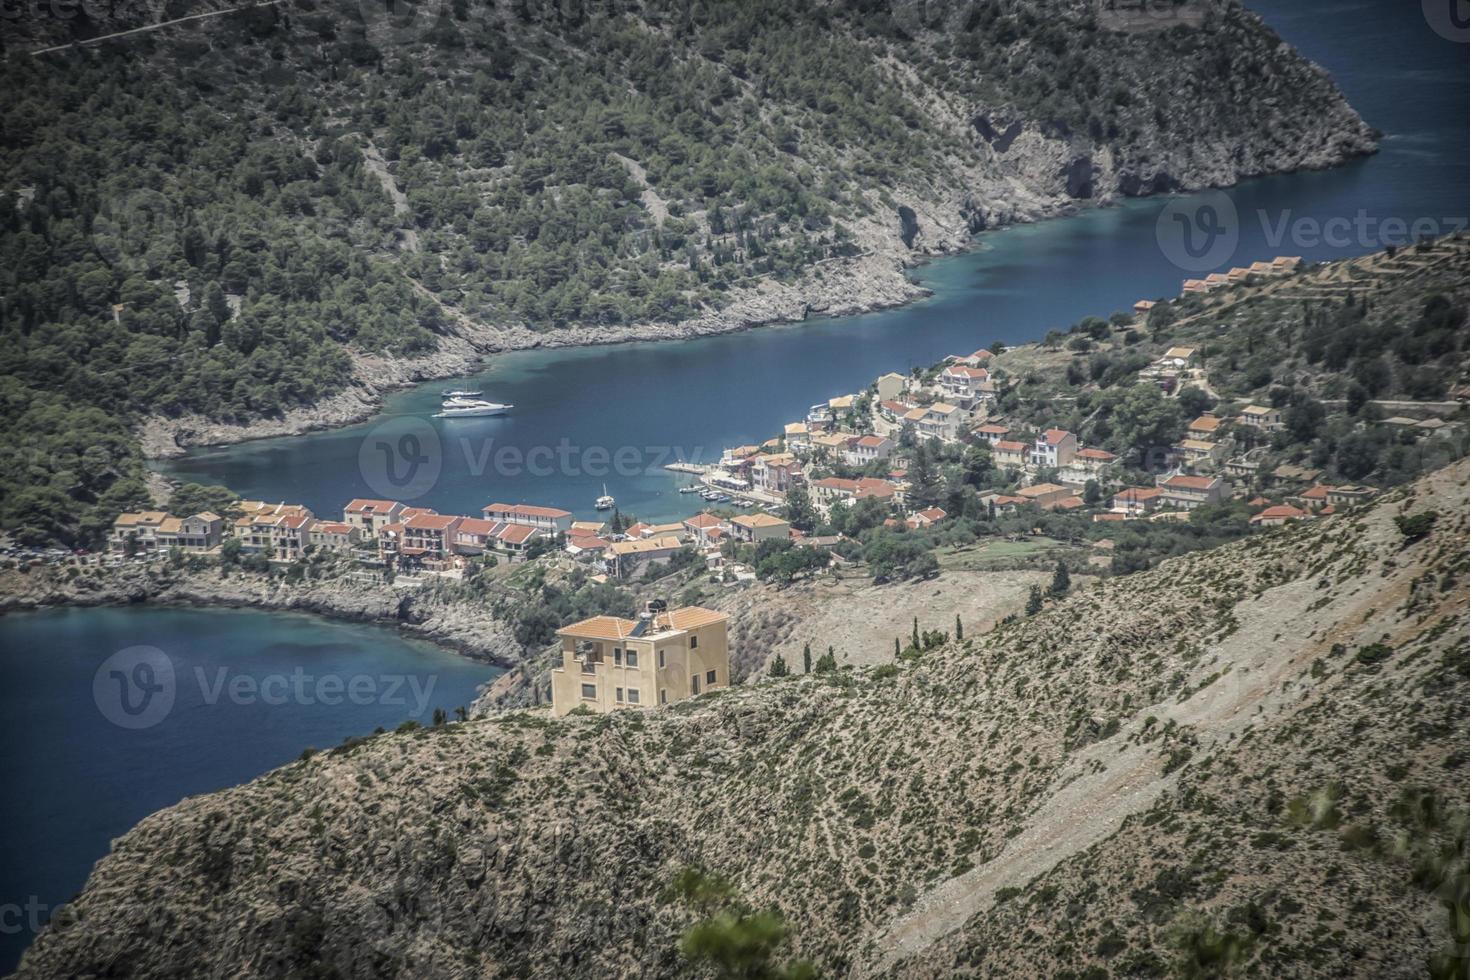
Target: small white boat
column 465, row 408
column 688, row 489
column 606, row 501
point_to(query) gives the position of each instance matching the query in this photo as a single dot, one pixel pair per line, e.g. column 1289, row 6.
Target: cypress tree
column 1033, row 601
column 1061, row 581
column 959, row 628
column 806, row 659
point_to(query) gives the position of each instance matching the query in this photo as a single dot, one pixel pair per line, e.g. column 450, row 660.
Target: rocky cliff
column 443, row 614
column 1249, row 758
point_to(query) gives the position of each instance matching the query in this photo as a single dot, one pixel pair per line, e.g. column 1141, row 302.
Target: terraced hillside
column 1248, row 759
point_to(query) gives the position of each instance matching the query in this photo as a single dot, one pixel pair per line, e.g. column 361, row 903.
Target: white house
column 867, row 449
column 548, row 520
column 1054, row 448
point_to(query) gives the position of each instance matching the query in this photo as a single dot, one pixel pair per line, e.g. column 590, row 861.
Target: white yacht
column 606, row 501
column 464, row 408
column 458, row 393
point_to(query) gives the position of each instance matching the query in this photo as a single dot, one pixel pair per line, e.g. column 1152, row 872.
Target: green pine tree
column 896, row 648
column 806, row 659
column 916, row 633
column 1061, row 581
column 1033, row 601
column 778, row 667
column 959, row 628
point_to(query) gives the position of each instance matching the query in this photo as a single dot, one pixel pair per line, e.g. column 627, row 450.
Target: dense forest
column 216, row 218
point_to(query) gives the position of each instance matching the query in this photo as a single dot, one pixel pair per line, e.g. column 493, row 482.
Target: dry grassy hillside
column 1225, row 759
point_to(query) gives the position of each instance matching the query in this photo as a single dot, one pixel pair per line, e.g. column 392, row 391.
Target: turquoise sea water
column 577, row 410
column 248, row 691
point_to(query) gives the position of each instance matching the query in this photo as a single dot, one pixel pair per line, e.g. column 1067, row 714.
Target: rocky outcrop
column 1213, row 756
column 442, row 614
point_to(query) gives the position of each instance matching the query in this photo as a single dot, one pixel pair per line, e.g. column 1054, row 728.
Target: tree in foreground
column 1033, row 601
column 736, row 942
column 778, row 667
column 806, row 658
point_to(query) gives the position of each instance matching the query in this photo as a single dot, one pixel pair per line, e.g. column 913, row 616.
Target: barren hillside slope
column 1242, row 755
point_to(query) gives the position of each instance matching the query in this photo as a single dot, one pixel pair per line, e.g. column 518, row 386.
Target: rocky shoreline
column 1023, row 183
column 429, row 613
column 845, row 287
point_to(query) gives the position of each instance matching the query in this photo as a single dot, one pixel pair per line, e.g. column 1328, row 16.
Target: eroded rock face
column 1079, row 178
column 908, row 224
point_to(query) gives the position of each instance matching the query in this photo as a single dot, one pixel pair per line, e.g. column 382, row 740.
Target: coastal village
column 852, row 450
column 808, row 498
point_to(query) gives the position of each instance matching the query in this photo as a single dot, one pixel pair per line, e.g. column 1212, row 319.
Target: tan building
column 758, row 527
column 1188, row 492
column 1261, row 417
column 775, row 473
column 139, row 529
column 1047, row 496
column 628, row 559
column 1008, row 452
column 430, row 534
column 891, row 385
column 281, row 530
column 1205, row 428
column 334, row 535
column 608, row 662
column 371, row 516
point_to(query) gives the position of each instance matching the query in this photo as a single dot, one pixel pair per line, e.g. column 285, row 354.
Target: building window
column 694, row 684
column 634, row 697
column 589, row 691
column 663, row 695
column 619, row 695
column 632, row 658
column 617, row 655
column 661, row 659
column 709, row 678
column 693, row 642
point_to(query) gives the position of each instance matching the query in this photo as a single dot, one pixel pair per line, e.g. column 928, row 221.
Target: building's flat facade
column 610, row 663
